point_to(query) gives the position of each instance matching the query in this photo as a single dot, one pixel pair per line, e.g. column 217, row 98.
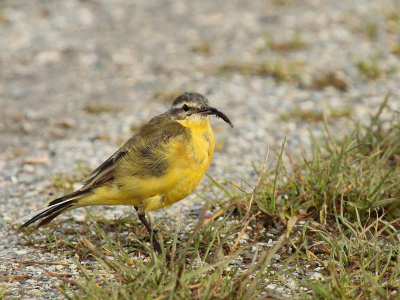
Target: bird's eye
column 185, row 107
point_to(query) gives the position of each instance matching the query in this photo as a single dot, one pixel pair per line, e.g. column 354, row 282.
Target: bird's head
column 193, row 109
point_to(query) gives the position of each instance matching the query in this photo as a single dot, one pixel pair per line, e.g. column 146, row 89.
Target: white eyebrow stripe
column 181, row 104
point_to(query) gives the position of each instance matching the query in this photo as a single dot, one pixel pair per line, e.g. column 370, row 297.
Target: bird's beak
column 213, row 111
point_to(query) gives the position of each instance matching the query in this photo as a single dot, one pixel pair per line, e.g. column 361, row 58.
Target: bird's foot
column 157, row 246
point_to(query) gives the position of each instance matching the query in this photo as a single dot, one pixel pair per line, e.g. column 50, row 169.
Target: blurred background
column 78, row 78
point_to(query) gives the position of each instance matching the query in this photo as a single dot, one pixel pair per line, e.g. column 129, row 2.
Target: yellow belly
column 190, row 166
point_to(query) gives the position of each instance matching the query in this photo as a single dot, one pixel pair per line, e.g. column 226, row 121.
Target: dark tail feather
column 49, row 214
column 54, row 208
column 50, row 218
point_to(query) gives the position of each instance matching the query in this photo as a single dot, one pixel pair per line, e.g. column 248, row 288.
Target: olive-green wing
column 156, row 134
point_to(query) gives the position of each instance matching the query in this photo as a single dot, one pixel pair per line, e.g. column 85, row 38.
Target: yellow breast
column 193, row 161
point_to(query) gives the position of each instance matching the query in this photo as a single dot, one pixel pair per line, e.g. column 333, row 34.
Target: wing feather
column 154, row 135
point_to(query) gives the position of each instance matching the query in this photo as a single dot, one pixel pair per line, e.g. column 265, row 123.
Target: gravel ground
column 78, row 77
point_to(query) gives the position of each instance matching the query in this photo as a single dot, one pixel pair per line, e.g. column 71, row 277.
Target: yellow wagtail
column 158, row 166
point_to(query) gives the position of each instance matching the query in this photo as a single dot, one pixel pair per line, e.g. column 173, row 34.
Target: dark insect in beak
column 213, row 111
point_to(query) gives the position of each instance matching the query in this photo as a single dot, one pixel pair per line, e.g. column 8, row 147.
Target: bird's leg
column 142, row 218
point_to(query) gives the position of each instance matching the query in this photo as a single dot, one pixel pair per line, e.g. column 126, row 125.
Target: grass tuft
column 370, row 69
column 204, row 47
column 372, row 30
column 3, row 20
column 393, row 21
column 294, row 44
column 314, row 116
column 350, row 202
column 280, row 71
column 98, row 108
column 329, row 79
column 396, row 49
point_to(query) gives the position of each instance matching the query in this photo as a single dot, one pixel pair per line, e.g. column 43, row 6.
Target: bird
column 159, row 165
